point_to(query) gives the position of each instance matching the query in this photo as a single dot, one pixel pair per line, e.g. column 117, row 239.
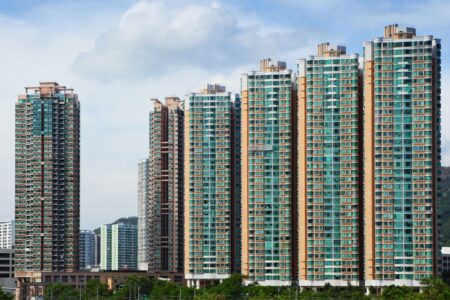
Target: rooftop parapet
column 213, row 88
column 399, row 32
column 267, row 65
column 173, row 103
column 48, row 88
column 327, row 49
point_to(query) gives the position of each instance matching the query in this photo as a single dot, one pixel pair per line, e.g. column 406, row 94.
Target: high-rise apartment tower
column 210, row 202
column 165, row 207
column 329, row 168
column 47, row 179
column 402, row 154
column 268, row 139
column 143, row 215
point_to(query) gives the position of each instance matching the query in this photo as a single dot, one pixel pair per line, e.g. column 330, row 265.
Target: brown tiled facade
column 165, row 207
column 47, row 179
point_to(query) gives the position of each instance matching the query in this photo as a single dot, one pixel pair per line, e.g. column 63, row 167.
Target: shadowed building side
column 165, row 208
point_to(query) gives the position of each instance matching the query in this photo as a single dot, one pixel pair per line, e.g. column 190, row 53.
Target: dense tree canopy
column 56, row 291
column 5, row 296
column 233, row 288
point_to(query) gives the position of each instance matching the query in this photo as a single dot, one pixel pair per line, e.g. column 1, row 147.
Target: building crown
column 327, row 49
column 399, row 32
column 267, row 65
column 213, row 88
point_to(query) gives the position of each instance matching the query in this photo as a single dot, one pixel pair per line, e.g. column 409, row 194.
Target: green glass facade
column 267, row 174
column 209, row 205
column 406, row 141
column 331, row 118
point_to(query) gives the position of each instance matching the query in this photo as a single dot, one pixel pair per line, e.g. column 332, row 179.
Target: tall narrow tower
column 330, row 168
column 165, row 172
column 210, row 208
column 47, row 179
column 268, row 174
column 402, row 156
column 143, row 220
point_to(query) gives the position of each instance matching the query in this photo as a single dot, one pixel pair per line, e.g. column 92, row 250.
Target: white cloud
column 155, row 37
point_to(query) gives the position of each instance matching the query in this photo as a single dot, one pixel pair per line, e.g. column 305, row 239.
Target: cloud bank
column 155, row 37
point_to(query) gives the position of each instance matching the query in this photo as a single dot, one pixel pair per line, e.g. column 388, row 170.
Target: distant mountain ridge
column 126, row 220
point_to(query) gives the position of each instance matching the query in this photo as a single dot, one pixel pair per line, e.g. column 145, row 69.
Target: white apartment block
column 7, row 233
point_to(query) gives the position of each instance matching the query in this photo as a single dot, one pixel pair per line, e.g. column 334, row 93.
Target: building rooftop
column 47, row 88
column 213, row 88
column 399, row 32
column 8, row 222
column 171, row 103
column 268, row 65
column 327, row 49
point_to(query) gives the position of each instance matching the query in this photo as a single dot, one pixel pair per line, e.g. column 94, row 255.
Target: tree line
column 142, row 288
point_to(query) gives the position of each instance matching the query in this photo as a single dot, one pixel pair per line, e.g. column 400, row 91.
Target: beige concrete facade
column 369, row 233
column 302, row 218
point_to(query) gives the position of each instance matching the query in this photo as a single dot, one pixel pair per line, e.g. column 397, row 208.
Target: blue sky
column 117, row 54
